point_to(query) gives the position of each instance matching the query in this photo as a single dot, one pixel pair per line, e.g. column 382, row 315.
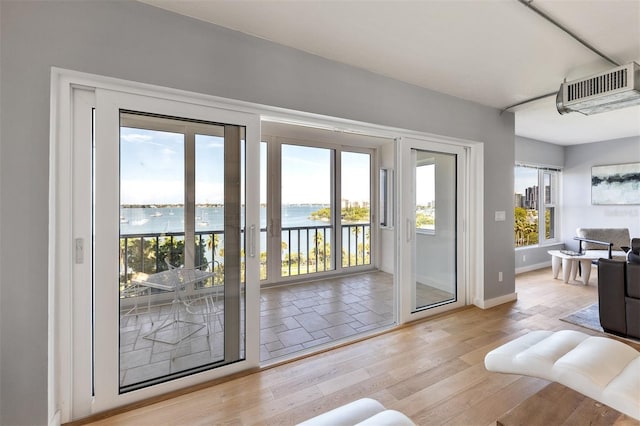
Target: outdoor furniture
column 180, row 281
column 571, row 263
column 205, row 304
column 130, row 296
column 603, row 369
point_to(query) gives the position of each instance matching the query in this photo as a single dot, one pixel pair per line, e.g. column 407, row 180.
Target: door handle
column 409, row 230
column 252, row 241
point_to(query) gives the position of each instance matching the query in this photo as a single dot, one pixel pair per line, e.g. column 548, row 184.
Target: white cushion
column 593, row 364
column 502, row 358
column 602, row 369
column 624, row 391
column 539, row 359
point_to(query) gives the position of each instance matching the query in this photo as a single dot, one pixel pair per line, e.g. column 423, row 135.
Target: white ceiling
column 494, row 52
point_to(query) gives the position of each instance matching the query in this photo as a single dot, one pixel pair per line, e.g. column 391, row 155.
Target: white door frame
column 61, row 232
column 109, row 103
column 77, row 395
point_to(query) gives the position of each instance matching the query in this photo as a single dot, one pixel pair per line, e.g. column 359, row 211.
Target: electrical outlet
column 524, row 257
column 500, row 276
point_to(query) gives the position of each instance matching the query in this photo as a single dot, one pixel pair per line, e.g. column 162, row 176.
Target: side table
column 570, row 264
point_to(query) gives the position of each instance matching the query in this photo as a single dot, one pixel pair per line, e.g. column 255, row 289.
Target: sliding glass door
column 174, row 246
column 181, row 246
column 433, row 243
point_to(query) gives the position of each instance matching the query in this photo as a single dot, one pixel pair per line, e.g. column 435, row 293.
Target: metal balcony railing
column 304, row 250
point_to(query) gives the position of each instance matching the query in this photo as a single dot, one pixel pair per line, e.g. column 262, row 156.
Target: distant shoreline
column 209, row 205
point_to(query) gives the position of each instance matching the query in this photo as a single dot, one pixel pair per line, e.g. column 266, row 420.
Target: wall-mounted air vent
column 613, row 89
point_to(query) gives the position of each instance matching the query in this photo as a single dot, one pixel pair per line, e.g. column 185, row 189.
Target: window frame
column 542, row 205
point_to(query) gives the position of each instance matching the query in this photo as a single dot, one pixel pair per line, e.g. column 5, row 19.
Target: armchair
column 608, row 243
column 619, row 297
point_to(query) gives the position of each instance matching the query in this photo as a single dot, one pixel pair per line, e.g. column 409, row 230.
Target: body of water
column 138, row 221
column 158, row 220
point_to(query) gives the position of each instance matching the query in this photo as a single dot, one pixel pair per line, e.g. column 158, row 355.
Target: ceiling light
column 607, row 91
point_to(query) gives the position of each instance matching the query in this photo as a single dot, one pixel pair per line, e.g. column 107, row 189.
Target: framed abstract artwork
column 615, row 184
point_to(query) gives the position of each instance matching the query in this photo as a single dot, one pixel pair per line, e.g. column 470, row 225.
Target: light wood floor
column 432, row 371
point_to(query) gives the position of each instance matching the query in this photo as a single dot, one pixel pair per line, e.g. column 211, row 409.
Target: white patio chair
column 199, row 302
column 135, row 293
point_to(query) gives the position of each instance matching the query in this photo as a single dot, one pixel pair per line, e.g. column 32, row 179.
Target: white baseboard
column 533, row 267
column 486, row 304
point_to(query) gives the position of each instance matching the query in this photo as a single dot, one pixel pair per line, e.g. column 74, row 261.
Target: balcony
column 294, row 318
column 305, row 250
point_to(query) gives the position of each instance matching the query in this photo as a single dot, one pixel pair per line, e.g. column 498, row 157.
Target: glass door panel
column 434, row 201
column 355, row 211
column 307, row 210
column 181, row 248
column 432, row 255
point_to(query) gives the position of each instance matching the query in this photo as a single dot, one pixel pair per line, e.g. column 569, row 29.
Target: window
column 536, row 190
column 317, row 204
column 355, row 208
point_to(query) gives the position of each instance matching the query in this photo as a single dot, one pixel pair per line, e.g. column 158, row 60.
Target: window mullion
column 540, row 207
column 336, row 196
column 189, row 198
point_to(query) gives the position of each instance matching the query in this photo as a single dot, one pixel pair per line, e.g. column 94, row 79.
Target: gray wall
column 577, row 210
column 134, row 41
column 538, row 153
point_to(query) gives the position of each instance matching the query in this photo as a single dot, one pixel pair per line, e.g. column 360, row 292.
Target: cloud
column 135, row 137
column 136, row 191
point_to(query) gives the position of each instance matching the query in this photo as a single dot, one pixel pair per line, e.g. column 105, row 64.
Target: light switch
column 500, row 216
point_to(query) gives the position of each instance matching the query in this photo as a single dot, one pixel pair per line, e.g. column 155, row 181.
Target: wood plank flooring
column 432, row 370
column 572, row 408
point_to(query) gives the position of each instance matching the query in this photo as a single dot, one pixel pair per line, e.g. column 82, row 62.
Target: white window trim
column 556, row 173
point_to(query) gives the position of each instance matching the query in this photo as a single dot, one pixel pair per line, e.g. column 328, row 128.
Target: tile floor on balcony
column 296, row 317
column 293, row 318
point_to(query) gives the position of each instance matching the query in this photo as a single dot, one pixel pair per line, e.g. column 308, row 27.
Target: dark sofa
column 619, row 297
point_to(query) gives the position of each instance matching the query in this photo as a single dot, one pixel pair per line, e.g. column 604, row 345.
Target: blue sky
column 525, row 177
column 152, row 171
column 151, row 167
